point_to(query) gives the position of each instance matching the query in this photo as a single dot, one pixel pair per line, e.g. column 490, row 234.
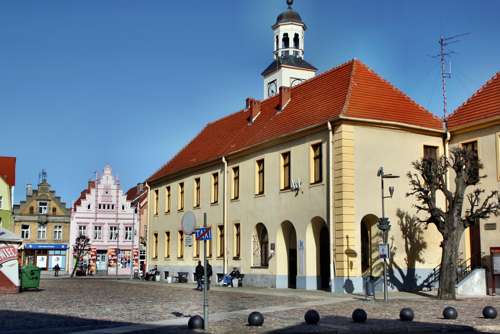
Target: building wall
column 294, row 220
column 120, row 213
column 27, row 213
column 6, row 205
column 395, row 150
column 488, row 139
column 272, row 209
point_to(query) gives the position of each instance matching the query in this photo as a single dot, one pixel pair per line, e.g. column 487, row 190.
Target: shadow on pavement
column 339, row 324
column 21, row 322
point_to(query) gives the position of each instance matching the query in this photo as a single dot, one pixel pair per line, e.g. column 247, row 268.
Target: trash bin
column 30, row 277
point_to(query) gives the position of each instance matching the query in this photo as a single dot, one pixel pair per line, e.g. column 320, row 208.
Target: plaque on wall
column 490, row 226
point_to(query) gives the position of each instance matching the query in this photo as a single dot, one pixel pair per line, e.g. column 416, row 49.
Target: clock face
column 295, row 82
column 272, row 87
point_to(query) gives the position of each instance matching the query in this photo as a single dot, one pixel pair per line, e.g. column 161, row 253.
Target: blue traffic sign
column 203, row 233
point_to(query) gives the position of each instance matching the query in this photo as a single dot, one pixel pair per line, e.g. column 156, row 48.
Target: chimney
column 29, row 190
column 253, row 106
column 285, row 96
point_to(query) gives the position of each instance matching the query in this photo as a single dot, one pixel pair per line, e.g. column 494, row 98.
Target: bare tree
column 451, row 219
column 80, row 249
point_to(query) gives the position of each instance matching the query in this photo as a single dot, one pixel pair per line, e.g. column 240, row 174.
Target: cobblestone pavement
column 84, row 305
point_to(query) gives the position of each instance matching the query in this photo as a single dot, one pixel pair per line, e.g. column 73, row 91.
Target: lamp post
column 384, row 224
column 117, row 234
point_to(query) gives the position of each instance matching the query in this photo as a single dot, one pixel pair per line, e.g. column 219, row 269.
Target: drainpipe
column 331, row 222
column 148, row 252
column 224, row 216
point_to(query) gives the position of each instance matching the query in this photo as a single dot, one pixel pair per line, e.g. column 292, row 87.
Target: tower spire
column 289, row 3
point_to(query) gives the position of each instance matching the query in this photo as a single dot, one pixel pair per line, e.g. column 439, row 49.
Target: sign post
column 204, row 233
column 205, row 278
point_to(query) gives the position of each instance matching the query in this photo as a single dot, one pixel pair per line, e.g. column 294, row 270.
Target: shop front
column 46, row 256
column 9, row 265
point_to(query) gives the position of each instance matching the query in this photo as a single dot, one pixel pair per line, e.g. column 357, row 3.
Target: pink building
column 103, row 213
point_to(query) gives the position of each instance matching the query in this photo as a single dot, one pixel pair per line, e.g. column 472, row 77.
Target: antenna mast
column 443, row 55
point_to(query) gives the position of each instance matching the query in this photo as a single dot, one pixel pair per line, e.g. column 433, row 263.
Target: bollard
column 312, row 317
column 359, row 315
column 255, row 319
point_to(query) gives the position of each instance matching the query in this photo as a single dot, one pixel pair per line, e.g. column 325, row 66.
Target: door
column 292, row 268
column 101, row 262
column 475, row 245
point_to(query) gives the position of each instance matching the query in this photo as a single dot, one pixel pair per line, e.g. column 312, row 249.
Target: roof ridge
column 349, row 89
column 397, row 90
column 488, row 82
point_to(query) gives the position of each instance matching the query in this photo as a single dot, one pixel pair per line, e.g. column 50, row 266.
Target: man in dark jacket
column 209, row 274
column 199, row 275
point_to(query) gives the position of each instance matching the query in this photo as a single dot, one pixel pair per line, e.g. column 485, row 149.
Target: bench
column 182, row 277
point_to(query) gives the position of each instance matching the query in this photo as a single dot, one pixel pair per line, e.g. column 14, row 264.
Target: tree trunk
column 448, row 271
column 77, row 264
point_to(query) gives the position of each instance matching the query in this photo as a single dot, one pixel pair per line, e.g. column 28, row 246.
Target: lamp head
column 391, row 190
column 380, row 171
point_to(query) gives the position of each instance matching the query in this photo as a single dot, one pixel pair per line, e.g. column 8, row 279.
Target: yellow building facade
column 43, row 222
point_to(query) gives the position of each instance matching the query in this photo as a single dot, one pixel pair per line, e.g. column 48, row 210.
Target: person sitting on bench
column 152, row 273
column 228, row 279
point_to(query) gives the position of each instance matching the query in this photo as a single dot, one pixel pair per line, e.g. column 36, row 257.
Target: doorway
column 324, row 258
column 475, row 245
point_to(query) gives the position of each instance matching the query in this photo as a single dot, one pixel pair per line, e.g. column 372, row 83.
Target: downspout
column 331, row 222
column 224, row 216
column 148, row 251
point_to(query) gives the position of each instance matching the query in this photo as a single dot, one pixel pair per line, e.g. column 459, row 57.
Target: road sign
column 188, row 240
column 204, row 233
column 188, row 223
column 383, row 250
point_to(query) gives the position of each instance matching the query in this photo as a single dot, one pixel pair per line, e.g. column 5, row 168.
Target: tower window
column 296, row 41
column 286, row 41
column 277, row 43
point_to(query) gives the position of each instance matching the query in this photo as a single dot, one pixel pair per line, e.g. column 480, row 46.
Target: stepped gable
column 351, row 90
column 483, row 105
column 84, row 194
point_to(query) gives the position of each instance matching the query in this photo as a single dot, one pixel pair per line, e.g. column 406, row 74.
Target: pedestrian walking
column 199, row 275
column 56, row 270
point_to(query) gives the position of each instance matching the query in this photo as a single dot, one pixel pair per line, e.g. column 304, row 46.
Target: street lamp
column 384, row 224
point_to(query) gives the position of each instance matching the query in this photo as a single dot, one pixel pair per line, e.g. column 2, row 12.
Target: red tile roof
column 349, row 90
column 484, row 104
column 84, row 194
column 133, row 192
column 8, row 170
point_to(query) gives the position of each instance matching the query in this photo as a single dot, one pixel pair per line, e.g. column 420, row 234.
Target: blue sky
column 128, row 83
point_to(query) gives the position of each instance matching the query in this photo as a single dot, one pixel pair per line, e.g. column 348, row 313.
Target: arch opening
column 260, row 246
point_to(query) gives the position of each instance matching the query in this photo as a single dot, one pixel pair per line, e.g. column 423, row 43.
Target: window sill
column 317, row 184
column 166, row 258
column 219, row 258
column 196, row 207
column 286, row 190
column 259, row 267
column 236, row 258
column 235, row 200
column 259, row 195
column 214, row 204
column 166, row 212
column 180, row 210
column 154, row 258
column 180, row 258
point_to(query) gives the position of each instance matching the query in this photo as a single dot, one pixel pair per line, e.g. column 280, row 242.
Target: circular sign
column 188, row 222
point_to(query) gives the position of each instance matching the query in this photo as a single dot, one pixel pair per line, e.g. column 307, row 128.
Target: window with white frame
column 25, row 231
column 58, row 232
column 82, row 230
column 97, row 232
column 113, row 233
column 43, row 207
column 42, row 232
column 128, row 233
column 1, row 201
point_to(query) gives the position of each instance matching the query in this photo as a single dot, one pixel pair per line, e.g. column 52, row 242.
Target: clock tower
column 289, row 67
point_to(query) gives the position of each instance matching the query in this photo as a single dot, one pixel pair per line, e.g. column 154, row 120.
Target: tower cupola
column 289, row 67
